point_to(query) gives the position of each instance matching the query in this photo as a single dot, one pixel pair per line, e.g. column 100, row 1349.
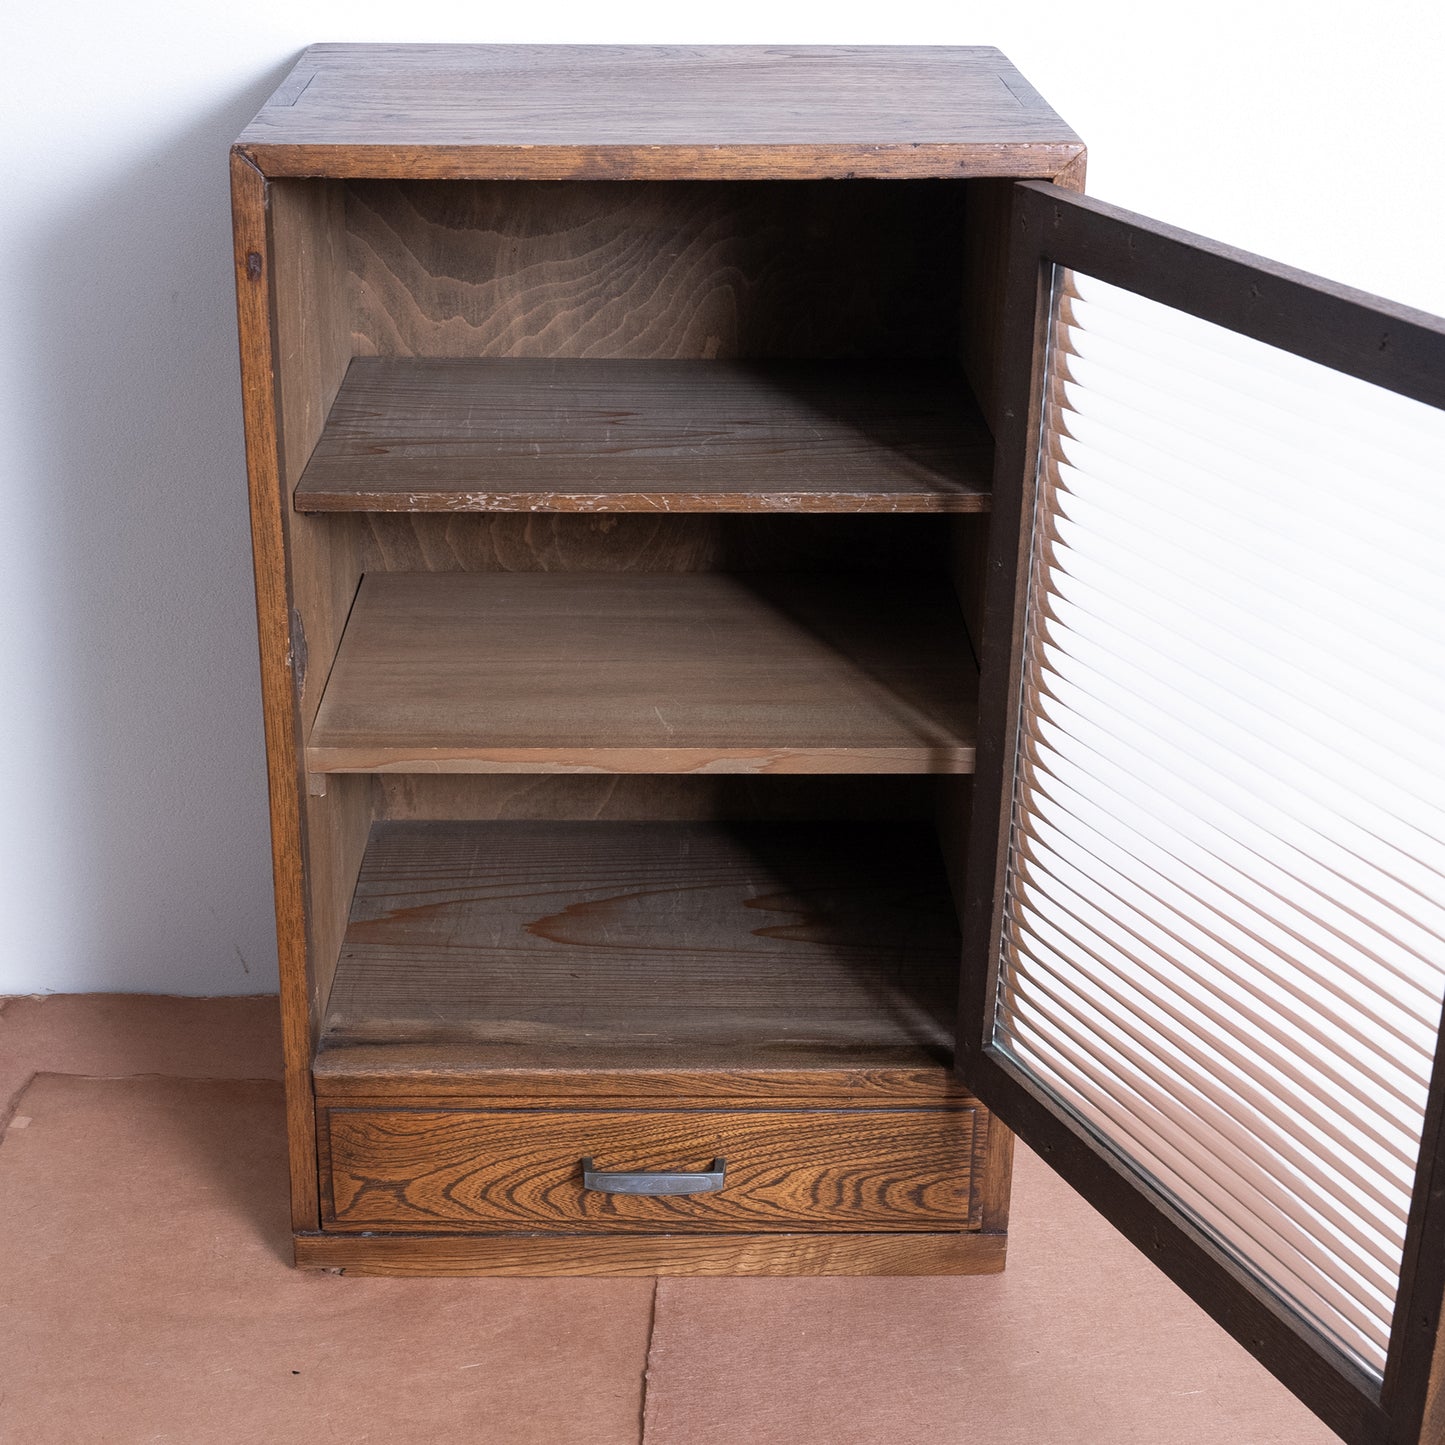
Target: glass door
column 1205, row 930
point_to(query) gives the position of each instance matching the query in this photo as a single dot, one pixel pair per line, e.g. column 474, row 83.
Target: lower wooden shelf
column 513, row 956
column 514, row 998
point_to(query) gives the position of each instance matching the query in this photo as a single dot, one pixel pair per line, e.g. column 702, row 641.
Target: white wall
column 133, row 831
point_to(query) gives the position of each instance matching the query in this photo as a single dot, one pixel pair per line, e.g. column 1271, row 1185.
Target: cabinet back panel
column 656, row 269
column 585, row 797
column 598, row 542
column 650, row 270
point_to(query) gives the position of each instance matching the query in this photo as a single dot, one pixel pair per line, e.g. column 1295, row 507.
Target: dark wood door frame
column 1380, row 342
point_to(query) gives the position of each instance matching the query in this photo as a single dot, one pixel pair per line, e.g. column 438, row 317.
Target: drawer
column 485, row 1171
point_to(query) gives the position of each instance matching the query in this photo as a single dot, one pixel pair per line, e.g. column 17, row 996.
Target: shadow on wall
column 145, row 572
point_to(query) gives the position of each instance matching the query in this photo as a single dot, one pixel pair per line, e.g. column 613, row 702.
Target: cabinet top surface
column 564, row 111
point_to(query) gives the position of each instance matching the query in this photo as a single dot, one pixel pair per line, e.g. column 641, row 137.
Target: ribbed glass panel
column 1224, row 942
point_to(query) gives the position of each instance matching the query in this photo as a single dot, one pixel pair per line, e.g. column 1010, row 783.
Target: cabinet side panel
column 995, row 1175
column 985, row 254
column 314, row 349
column 337, row 825
column 255, row 302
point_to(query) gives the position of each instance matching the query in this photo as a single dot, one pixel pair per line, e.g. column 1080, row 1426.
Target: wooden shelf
column 608, row 946
column 627, row 436
column 645, row 672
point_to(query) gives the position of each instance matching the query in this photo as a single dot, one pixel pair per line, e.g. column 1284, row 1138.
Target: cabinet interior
column 748, row 617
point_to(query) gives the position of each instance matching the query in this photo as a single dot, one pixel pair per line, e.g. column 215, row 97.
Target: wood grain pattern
column 625, row 436
column 902, row 1253
column 255, row 301
column 993, row 1168
column 705, row 111
column 290, row 279
column 650, row 542
column 417, row 1075
column 521, row 945
column 658, row 797
column 312, row 351
column 653, row 271
column 846, row 1171
column 643, row 673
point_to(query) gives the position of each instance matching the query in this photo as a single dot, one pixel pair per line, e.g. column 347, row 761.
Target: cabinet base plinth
column 745, row 1254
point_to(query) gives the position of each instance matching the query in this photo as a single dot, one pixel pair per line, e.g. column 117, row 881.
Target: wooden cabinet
column 667, row 469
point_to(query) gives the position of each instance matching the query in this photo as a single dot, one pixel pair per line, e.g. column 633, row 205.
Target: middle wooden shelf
column 461, row 672
column 470, row 434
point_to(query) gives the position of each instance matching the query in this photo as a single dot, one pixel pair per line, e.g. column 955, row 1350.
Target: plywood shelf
column 613, row 946
column 708, row 672
column 421, row 435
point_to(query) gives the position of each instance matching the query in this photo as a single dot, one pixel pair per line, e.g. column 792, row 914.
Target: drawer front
column 485, row 1171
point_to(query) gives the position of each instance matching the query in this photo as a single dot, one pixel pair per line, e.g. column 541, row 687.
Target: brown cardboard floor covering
column 120, row 1033
column 1079, row 1342
column 144, row 1297
column 145, row 1294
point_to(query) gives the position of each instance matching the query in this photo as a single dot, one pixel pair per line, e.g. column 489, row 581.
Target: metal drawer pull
column 664, row 1181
